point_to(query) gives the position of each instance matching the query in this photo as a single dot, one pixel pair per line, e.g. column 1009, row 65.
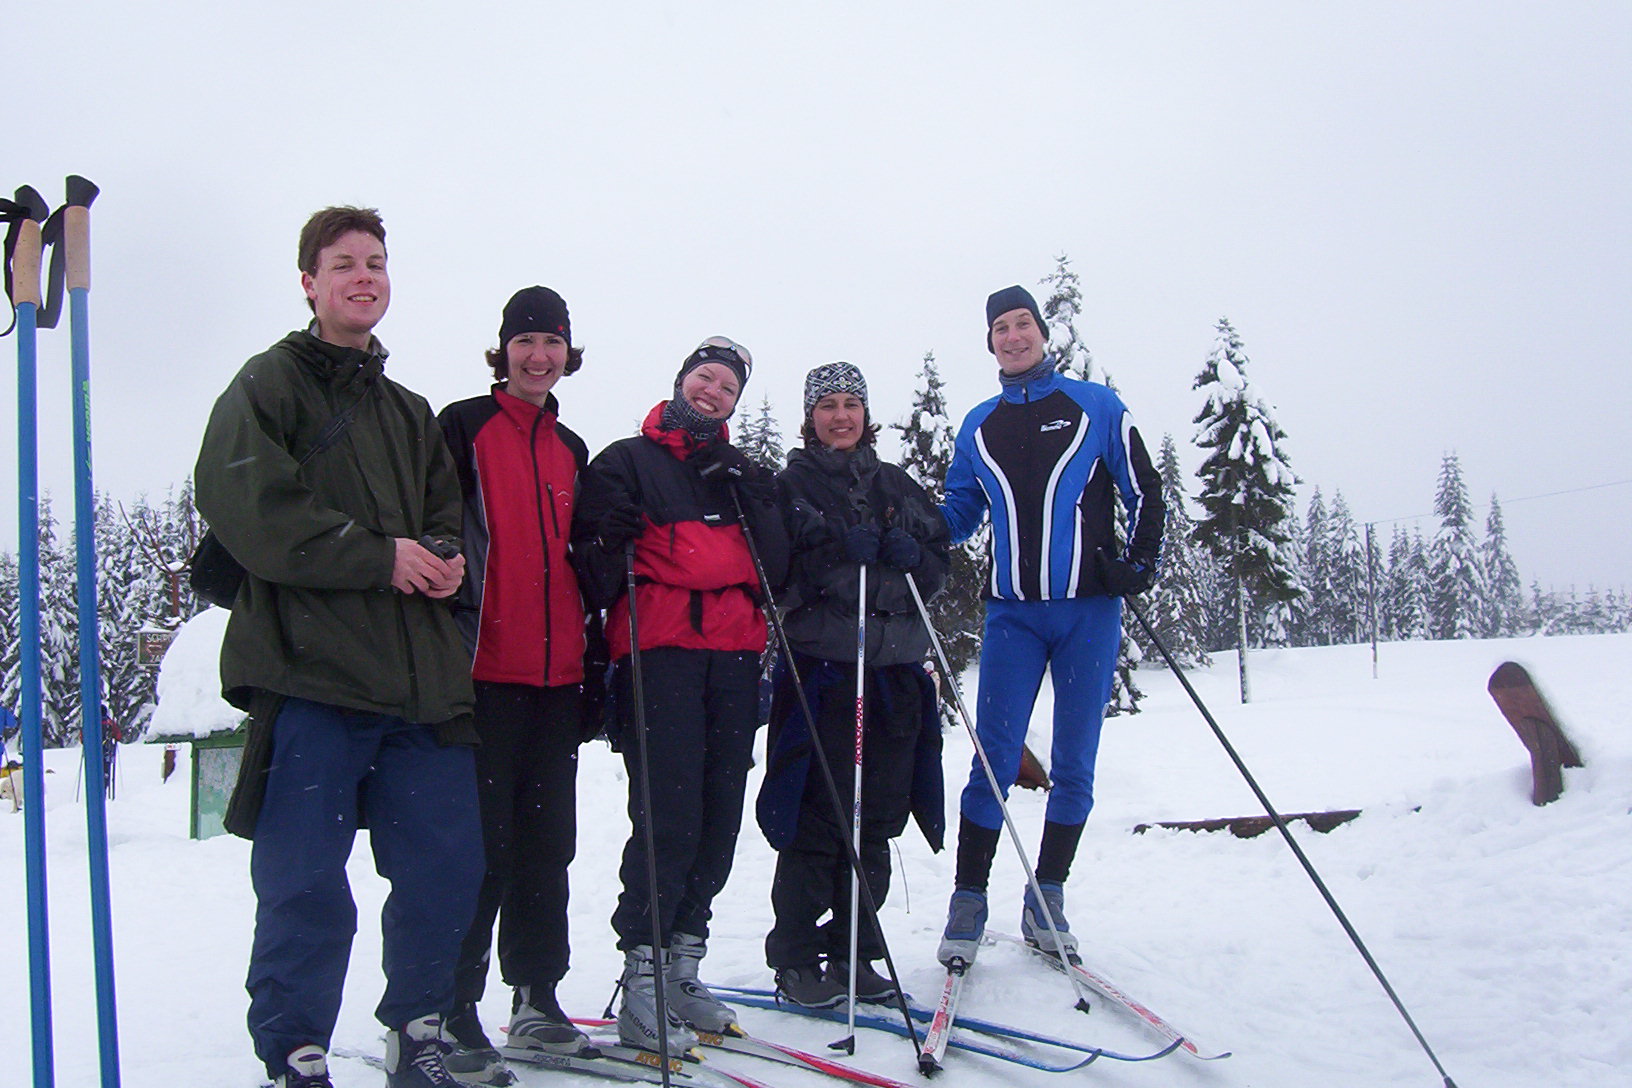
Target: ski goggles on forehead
column 725, row 350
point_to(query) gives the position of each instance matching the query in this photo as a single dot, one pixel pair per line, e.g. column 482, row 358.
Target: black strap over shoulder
column 213, row 572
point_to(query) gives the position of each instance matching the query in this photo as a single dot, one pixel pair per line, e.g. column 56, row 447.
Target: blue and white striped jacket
column 1046, row 459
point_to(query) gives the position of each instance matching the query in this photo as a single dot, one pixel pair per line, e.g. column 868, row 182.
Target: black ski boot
column 807, row 986
column 870, row 985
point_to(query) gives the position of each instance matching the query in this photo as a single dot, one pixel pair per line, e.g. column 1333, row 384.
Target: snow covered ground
column 1505, row 928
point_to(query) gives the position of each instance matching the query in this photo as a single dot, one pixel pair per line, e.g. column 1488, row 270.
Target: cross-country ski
column 1106, row 988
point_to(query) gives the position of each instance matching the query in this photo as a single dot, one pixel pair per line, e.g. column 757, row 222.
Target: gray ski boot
column 688, row 998
column 637, row 1013
column 1034, row 924
column 965, row 926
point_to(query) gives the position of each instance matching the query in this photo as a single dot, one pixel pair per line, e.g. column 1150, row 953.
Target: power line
column 1509, row 502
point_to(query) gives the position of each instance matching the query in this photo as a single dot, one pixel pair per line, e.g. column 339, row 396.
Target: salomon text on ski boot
column 637, row 1013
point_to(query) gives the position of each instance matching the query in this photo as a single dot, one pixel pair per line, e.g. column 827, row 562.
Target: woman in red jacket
column 670, row 494
column 522, row 616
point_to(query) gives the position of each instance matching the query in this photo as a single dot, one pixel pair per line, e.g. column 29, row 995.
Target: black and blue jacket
column 1047, row 458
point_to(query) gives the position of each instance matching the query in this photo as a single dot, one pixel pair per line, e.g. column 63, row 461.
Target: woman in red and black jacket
column 668, row 493
column 523, row 617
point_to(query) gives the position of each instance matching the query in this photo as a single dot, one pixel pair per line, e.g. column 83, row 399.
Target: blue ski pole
column 76, row 241
column 23, row 249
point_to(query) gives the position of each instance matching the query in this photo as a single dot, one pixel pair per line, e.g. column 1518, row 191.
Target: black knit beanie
column 1001, row 302
column 534, row 309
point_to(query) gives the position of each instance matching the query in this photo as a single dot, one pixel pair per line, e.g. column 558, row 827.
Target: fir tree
column 1457, row 601
column 1060, row 312
column 1313, row 627
column 1504, row 593
column 1177, row 606
column 10, row 624
column 1544, row 610
column 1347, row 611
column 761, row 439
column 134, row 591
column 1421, row 584
column 1392, row 617
column 1246, row 487
column 59, row 636
column 926, row 454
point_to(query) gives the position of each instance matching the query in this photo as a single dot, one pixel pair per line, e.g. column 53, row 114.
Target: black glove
column 726, row 458
column 619, row 525
column 723, row 459
column 900, row 550
column 1121, row 578
column 861, row 544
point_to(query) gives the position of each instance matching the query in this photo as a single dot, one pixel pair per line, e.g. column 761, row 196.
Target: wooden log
column 1521, row 703
column 1247, row 827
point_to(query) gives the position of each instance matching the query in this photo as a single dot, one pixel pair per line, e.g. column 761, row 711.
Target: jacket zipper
column 543, row 533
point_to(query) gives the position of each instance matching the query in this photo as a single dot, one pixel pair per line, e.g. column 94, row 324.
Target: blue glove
column 900, row 550
column 861, row 544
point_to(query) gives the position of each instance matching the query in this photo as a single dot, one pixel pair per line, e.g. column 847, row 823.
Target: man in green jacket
column 331, row 484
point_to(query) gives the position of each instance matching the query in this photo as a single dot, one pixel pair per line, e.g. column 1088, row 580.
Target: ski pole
column 848, row 1043
column 24, row 247
column 658, row 947
column 1280, row 825
column 997, row 792
column 76, row 239
column 860, row 877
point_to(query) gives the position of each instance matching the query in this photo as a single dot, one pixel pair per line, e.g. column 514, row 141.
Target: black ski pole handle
column 23, row 217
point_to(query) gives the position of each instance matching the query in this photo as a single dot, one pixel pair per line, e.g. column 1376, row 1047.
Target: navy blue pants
column 329, row 766
column 1075, row 640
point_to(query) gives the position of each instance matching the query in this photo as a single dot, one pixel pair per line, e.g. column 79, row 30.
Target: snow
column 189, row 687
column 1503, row 927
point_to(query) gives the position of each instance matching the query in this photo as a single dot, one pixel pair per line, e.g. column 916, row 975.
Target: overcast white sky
column 1416, row 214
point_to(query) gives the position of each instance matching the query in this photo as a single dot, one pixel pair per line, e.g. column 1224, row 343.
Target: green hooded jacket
column 317, row 618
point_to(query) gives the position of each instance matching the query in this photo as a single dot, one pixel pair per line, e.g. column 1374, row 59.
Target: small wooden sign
column 150, row 646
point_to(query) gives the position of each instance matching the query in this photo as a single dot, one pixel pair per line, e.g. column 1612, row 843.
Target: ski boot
column 414, row 1056
column 1034, row 923
column 965, row 925
column 688, row 998
column 308, row 1068
column 870, row 985
column 473, row 1059
column 538, row 1026
column 807, row 987
column 637, row 1013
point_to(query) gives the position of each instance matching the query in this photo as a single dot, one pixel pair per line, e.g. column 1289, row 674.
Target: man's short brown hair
column 328, row 226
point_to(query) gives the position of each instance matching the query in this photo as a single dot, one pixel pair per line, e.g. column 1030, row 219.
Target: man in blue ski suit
column 1046, row 458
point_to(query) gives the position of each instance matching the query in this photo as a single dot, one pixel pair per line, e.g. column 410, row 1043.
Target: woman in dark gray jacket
column 845, row 509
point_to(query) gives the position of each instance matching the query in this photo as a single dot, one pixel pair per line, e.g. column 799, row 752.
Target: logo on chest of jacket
column 1053, row 425
column 713, row 518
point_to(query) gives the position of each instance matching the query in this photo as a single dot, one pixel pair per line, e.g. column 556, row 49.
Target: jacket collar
column 522, row 413
column 1036, row 388
column 345, row 367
